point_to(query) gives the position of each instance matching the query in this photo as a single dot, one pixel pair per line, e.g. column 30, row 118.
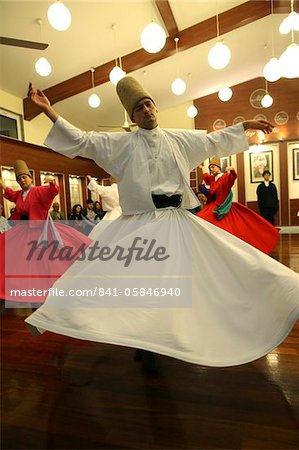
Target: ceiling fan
column 125, row 126
column 22, row 43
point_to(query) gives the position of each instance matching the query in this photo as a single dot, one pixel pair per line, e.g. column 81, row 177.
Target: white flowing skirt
column 238, row 305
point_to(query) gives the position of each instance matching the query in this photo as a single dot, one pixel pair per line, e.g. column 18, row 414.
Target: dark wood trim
column 283, row 6
column 167, row 17
column 284, row 189
column 197, row 34
column 241, row 178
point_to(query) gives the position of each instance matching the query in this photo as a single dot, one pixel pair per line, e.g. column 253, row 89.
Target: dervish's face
column 214, row 169
column 24, row 181
column 145, row 114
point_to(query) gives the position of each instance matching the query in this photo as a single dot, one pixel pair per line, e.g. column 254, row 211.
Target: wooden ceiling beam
column 168, row 18
column 197, row 34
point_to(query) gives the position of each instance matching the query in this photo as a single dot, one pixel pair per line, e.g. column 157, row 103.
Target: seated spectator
column 98, row 210
column 55, row 213
column 88, row 212
column 76, row 217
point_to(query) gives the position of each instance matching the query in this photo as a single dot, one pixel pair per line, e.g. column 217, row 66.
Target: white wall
column 37, row 129
column 176, row 117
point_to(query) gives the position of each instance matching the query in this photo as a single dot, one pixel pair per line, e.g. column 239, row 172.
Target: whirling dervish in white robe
column 159, row 278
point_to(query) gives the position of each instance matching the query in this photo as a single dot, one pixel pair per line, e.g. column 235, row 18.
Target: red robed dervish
column 234, row 217
column 27, row 262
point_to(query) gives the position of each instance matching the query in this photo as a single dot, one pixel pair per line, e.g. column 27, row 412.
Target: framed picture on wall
column 296, row 163
column 258, row 162
column 225, row 162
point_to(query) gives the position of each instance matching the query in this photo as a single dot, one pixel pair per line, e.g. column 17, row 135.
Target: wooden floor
column 60, row 393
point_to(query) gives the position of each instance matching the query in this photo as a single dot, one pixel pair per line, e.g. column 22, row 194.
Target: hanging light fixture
column 116, row 73
column 219, row 55
column 59, row 16
column 290, row 23
column 272, row 70
column 225, row 93
column 42, row 65
column 289, row 61
column 192, row 111
column 153, row 38
column 94, row 100
column 178, row 86
column 267, row 100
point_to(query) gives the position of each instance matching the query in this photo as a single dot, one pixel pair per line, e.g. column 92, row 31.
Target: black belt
column 164, row 201
column 24, row 216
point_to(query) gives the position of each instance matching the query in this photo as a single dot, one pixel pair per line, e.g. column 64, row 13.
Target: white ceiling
column 91, row 42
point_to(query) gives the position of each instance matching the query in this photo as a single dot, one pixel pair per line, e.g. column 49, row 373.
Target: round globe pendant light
column 59, row 16
column 289, row 61
column 284, row 27
column 153, row 38
column 116, row 74
column 290, row 23
column 192, row 111
column 43, row 67
column 219, row 56
column 225, row 94
column 272, row 70
column 293, row 18
column 178, row 86
column 267, row 101
column 94, row 101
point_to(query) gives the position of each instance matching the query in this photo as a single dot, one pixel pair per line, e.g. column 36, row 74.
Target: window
column 11, row 124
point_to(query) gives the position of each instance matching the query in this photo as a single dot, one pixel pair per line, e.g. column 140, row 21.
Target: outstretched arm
column 42, row 102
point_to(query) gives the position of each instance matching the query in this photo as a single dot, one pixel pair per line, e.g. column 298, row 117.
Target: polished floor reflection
column 61, row 393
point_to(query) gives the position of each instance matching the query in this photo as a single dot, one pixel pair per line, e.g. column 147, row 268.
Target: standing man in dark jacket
column 267, row 197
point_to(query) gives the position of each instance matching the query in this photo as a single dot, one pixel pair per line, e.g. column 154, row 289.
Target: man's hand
column 42, row 102
column 262, row 125
column 49, row 180
column 229, row 168
column 88, row 178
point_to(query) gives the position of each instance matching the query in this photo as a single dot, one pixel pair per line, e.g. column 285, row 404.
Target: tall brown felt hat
column 21, row 168
column 130, row 91
column 215, row 162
